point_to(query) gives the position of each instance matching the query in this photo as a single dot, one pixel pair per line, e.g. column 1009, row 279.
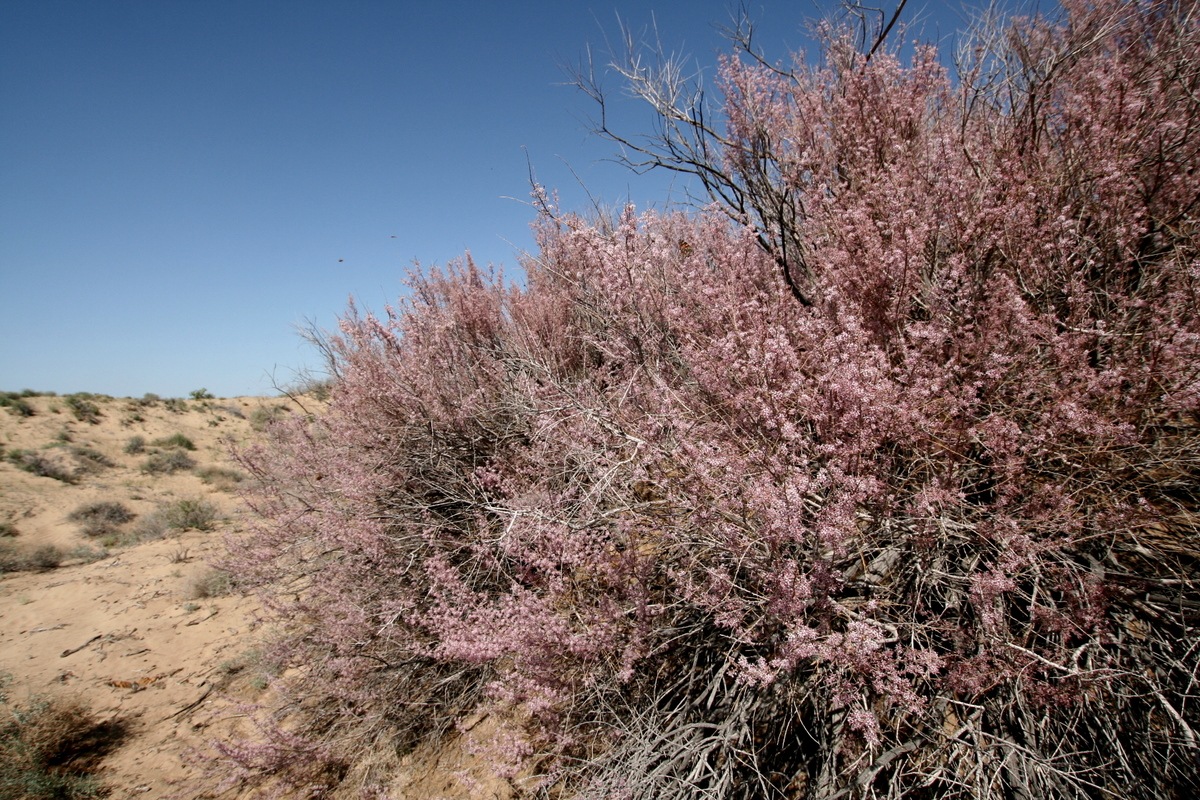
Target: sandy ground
column 141, row 631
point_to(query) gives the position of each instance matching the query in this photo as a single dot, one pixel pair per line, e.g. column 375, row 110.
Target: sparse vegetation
column 49, row 746
column 41, row 464
column 15, row 557
column 16, row 404
column 135, row 445
column 180, row 515
column 89, row 459
column 223, row 479
column 177, row 440
column 168, row 462
column 83, row 407
column 101, row 518
column 201, row 394
column 212, row 583
column 265, row 416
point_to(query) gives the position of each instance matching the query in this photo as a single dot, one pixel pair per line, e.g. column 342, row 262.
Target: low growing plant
column 83, row 408
column 101, row 518
column 40, row 464
column 176, row 440
column 168, row 462
column 50, row 746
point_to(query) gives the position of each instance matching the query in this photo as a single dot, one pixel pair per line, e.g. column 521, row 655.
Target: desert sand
column 144, row 629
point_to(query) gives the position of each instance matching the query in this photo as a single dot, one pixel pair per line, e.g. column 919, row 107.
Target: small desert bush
column 18, row 558
column 16, row 404
column 231, row 410
column 176, row 440
column 8, row 530
column 180, row 515
column 40, row 464
column 221, row 478
column 175, row 405
column 89, row 459
column 135, row 445
column 101, row 518
column 168, row 462
column 49, row 747
column 83, row 407
column 212, row 583
column 201, row 394
column 265, row 416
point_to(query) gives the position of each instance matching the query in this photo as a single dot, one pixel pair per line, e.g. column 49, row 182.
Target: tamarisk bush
column 914, row 515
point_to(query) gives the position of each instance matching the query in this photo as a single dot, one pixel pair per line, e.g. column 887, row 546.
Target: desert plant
column 89, row 459
column 265, row 416
column 40, row 464
column 168, row 462
column 177, row 440
column 101, row 518
column 175, row 405
column 136, row 445
column 888, row 488
column 83, row 407
column 48, row 747
column 222, row 478
column 211, row 583
column 201, row 394
column 179, row 515
column 16, row 404
column 17, row 558
column 8, row 530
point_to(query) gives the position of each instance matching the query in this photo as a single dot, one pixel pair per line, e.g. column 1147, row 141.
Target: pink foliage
column 834, row 531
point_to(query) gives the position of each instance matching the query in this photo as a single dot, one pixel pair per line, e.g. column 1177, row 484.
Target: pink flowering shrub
column 923, row 526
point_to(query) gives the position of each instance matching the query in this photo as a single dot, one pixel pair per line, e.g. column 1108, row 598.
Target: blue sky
column 183, row 183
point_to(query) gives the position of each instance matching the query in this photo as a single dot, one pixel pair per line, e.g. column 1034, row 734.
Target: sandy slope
column 133, row 631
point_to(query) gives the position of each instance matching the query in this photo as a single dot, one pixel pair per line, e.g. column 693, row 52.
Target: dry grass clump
column 168, row 462
column 17, row 558
column 176, row 440
column 181, row 515
column 38, row 463
column 221, row 478
column 50, row 747
column 211, row 583
column 101, row 518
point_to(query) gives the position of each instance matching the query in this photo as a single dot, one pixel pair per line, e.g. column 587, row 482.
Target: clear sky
column 183, row 183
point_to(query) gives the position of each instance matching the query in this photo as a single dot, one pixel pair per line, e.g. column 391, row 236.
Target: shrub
column 101, row 518
column 175, row 440
column 222, row 478
column 83, row 408
column 168, row 462
column 39, row 464
column 90, row 460
column 16, row 404
column 212, row 583
column 263, row 417
column 8, row 530
column 888, row 489
column 15, row 558
column 201, row 394
column 180, row 515
column 135, row 445
column 175, row 405
column 48, row 747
